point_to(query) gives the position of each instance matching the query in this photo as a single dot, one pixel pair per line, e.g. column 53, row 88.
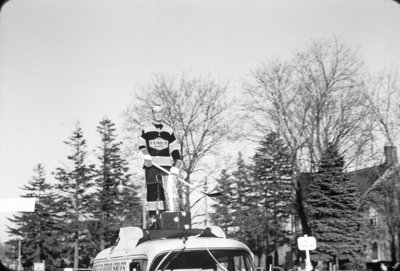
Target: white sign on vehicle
column 307, row 243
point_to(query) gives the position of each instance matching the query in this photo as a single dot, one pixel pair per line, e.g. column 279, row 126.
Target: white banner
column 17, row 205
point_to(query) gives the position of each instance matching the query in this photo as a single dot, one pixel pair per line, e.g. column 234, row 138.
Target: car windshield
column 230, row 260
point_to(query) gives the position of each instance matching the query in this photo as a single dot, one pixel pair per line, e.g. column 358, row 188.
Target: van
column 179, row 250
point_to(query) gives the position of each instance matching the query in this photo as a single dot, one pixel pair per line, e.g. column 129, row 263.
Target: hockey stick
column 210, row 195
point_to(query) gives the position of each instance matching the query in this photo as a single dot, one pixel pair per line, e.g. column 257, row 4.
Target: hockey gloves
column 147, row 160
column 176, row 167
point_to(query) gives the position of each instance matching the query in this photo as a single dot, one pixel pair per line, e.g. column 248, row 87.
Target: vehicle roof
column 152, row 248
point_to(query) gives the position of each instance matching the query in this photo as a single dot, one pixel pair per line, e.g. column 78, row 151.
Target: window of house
column 373, row 217
column 374, row 254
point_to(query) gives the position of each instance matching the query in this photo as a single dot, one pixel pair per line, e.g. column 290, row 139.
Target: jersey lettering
column 158, row 144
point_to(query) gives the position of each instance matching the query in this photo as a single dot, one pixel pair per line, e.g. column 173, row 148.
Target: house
column 380, row 190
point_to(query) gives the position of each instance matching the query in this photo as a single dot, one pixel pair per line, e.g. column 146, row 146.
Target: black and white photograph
column 199, row 135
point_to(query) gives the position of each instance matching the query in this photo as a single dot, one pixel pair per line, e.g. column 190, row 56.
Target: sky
column 63, row 61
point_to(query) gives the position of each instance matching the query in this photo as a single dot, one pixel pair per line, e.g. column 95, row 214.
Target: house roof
column 387, row 178
column 364, row 178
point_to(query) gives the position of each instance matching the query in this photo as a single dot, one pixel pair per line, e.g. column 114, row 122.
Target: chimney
column 390, row 154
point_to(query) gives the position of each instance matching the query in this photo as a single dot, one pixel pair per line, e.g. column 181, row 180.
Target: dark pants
column 155, row 190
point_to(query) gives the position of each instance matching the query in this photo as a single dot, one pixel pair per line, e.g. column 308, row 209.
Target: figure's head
column 157, row 112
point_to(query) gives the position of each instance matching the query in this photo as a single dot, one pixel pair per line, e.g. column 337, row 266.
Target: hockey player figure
column 158, row 144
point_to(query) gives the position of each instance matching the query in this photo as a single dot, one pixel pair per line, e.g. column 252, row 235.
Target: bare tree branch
column 316, row 98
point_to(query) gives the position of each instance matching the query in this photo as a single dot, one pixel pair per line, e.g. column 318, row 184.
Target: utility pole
column 19, row 255
column 206, row 203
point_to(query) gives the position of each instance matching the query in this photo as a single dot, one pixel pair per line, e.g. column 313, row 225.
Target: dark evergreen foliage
column 257, row 201
column 333, row 206
column 250, row 218
column 75, row 200
column 222, row 207
column 112, row 209
column 82, row 211
column 272, row 179
column 37, row 230
column 233, row 204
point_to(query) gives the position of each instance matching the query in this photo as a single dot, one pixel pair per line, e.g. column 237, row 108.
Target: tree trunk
column 76, row 251
column 398, row 243
column 300, row 205
column 276, row 256
column 393, row 248
column 37, row 253
column 102, row 241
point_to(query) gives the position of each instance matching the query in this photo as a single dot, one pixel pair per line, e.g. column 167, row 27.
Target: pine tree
column 232, row 204
column 239, row 192
column 333, row 205
column 256, row 200
column 75, row 181
column 36, row 230
column 113, row 209
column 222, row 207
column 249, row 219
column 236, row 211
column 272, row 182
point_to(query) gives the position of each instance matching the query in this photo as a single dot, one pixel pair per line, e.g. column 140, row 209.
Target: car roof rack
column 133, row 236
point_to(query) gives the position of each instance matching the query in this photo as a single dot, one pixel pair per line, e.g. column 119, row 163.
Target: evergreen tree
column 223, row 206
column 272, row 182
column 236, row 210
column 256, row 200
column 239, row 193
column 113, row 209
column 232, row 204
column 333, row 204
column 7, row 254
column 249, row 219
column 75, row 181
column 36, row 230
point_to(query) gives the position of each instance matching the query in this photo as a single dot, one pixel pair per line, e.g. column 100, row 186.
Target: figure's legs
column 155, row 201
column 155, row 194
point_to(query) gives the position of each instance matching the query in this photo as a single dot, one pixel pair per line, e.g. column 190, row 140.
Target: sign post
column 307, row 243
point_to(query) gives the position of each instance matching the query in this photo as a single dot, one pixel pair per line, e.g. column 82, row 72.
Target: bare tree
column 316, row 98
column 197, row 109
column 384, row 101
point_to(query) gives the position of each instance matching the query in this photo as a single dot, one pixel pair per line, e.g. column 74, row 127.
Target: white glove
column 147, row 160
column 174, row 171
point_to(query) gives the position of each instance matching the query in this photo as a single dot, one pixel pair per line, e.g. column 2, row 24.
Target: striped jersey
column 160, row 141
